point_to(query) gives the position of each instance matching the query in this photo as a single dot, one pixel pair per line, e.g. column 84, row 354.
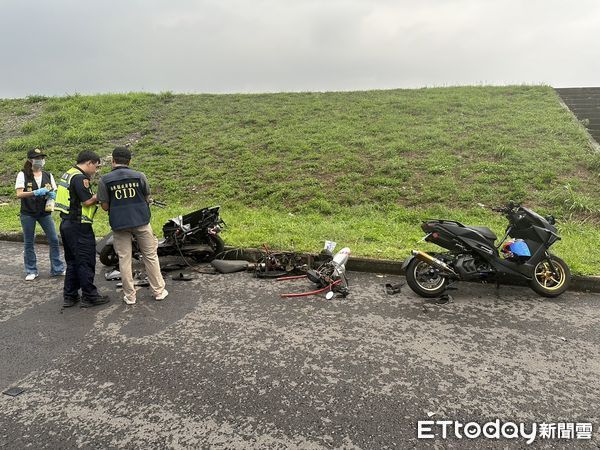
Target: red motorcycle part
column 318, row 291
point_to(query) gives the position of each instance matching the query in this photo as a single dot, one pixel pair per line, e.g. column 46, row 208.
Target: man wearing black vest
column 124, row 193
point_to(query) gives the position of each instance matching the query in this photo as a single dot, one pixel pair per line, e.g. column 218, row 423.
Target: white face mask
column 38, row 163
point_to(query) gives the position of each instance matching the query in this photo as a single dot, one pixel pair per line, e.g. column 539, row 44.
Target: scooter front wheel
column 549, row 284
column 424, row 279
column 108, row 256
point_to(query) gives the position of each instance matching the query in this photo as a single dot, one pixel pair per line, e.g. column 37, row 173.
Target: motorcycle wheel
column 424, row 280
column 217, row 245
column 545, row 283
column 108, row 256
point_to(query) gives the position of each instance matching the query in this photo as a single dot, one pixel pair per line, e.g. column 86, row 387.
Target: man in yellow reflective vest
column 78, row 205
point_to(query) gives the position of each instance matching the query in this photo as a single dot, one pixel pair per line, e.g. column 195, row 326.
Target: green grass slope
column 360, row 168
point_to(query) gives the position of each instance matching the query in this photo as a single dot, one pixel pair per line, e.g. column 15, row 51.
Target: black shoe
column 88, row 302
column 70, row 301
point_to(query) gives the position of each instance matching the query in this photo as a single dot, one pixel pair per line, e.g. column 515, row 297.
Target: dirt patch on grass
column 130, row 139
column 11, row 123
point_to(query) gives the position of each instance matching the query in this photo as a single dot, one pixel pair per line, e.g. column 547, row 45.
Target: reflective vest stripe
column 62, row 208
column 88, row 213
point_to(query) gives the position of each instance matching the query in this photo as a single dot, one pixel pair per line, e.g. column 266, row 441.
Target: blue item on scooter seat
column 518, row 247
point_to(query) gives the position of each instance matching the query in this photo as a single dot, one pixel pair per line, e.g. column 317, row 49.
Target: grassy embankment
column 360, row 168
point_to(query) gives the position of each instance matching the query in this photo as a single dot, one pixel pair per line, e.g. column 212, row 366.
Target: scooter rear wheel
column 217, row 245
column 425, row 280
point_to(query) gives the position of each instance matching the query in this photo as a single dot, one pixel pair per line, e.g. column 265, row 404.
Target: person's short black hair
column 87, row 155
column 121, row 155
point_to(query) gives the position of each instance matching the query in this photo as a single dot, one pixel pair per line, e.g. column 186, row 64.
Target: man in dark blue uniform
column 124, row 193
column 77, row 205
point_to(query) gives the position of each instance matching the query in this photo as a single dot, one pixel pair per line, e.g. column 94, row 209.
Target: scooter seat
column 229, row 266
column 485, row 232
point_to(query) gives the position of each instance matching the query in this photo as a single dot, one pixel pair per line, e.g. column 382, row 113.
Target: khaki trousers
column 148, row 244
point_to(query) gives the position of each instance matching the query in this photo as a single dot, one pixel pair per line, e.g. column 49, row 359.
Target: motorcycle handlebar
column 507, row 208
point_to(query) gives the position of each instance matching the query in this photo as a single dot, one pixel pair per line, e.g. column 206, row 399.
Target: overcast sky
column 57, row 47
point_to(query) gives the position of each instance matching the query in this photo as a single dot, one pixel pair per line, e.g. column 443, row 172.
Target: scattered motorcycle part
column 317, row 291
column 229, row 266
column 275, row 264
column 14, row 391
column 140, row 283
column 172, row 266
column 112, row 275
column 182, row 277
column 330, row 276
column 392, row 289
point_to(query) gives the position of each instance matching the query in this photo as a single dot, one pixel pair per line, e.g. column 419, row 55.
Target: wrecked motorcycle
column 473, row 255
column 195, row 235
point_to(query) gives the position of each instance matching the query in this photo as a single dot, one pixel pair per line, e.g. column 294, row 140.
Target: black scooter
column 195, row 235
column 473, row 255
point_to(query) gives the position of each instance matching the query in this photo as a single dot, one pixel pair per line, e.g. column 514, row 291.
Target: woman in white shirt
column 34, row 187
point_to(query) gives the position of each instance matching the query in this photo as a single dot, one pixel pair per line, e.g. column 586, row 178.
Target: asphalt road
column 225, row 362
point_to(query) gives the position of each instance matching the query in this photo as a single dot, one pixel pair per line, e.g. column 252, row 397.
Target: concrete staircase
column 585, row 104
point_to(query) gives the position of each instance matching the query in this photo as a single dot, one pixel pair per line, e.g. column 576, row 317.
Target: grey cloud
column 67, row 46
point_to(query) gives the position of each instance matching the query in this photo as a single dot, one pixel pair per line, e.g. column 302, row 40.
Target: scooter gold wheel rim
column 419, row 273
column 545, row 277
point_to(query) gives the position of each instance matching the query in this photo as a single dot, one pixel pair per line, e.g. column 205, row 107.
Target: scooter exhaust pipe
column 438, row 264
